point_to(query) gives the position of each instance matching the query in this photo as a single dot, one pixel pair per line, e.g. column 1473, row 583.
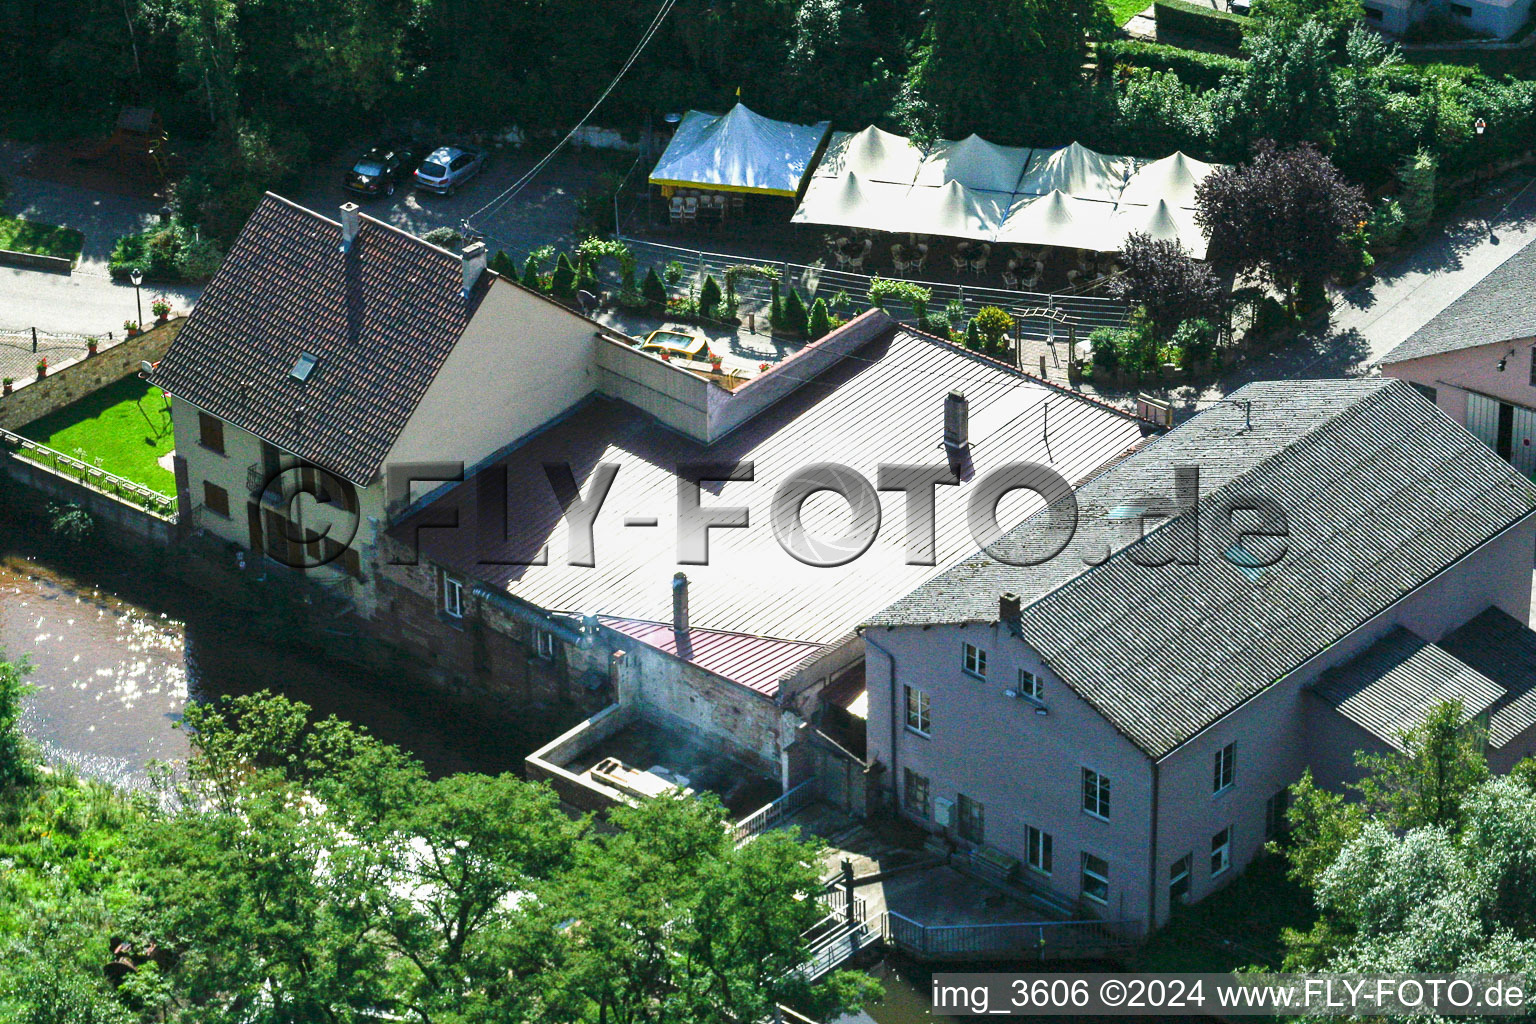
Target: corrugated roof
column 756, row 662
column 1504, row 649
column 884, row 404
column 1501, row 307
column 1380, row 492
column 379, row 319
column 1392, row 684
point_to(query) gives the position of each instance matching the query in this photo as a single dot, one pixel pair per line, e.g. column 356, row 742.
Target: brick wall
column 71, row 381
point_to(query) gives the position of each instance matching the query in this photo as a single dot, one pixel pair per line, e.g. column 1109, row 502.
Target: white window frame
column 453, row 596
column 1175, row 876
column 1101, row 792
column 1039, row 851
column 1222, row 850
column 1031, row 686
column 973, row 661
column 924, row 709
column 544, row 644
column 1087, row 874
column 1224, row 769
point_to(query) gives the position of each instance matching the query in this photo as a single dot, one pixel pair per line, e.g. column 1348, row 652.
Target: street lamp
column 137, row 277
column 1481, row 126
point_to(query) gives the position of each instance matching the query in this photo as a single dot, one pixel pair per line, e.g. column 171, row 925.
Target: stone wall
column 71, row 381
column 132, row 522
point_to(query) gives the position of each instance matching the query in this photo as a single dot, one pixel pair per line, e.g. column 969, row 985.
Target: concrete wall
column 522, row 361
column 1452, row 374
column 547, row 764
column 671, row 394
column 73, row 380
column 1026, row 768
column 129, row 520
column 681, row 695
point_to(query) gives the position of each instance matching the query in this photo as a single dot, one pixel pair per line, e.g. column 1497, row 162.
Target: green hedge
column 1194, row 68
column 1197, row 20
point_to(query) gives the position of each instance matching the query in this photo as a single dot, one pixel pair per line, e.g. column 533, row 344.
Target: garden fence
column 82, row 472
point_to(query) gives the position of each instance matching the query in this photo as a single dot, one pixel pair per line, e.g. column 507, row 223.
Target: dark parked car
column 378, row 171
column 448, row 167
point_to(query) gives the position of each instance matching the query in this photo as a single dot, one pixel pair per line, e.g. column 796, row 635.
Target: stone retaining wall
column 34, row 398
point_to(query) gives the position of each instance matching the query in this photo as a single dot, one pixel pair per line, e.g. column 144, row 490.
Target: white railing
column 1045, row 939
column 97, row 479
column 769, row 815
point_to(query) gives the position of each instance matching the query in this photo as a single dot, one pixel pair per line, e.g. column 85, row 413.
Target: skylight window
column 1246, row 562
column 304, row 367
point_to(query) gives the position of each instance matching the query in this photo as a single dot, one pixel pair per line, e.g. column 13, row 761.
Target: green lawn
column 20, row 235
column 1124, row 10
column 1236, row 927
column 126, row 425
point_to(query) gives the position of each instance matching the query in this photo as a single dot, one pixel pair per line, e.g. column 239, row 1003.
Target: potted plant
column 42, row 368
column 131, row 327
column 90, row 346
column 764, row 367
column 715, row 362
column 161, row 307
column 5, row 386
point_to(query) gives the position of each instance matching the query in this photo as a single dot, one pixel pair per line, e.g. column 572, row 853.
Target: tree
column 992, row 326
column 1338, row 17
column 563, row 285
column 1288, row 94
column 1164, row 280
column 503, row 265
column 671, row 909
column 530, row 278
column 1011, row 69
column 1417, row 175
column 794, row 317
column 710, row 298
column 1282, row 215
column 1440, row 763
column 654, row 290
column 15, row 762
column 821, row 323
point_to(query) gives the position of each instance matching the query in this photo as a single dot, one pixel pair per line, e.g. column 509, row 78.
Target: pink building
column 1477, row 360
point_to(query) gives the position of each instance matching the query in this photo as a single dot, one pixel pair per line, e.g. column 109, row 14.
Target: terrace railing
column 1047, row 940
column 769, row 815
column 94, row 477
column 1040, row 315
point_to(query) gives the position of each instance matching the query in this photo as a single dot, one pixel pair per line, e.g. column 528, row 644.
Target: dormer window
column 304, row 367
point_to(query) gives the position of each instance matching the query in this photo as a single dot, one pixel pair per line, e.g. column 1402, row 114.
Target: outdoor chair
column 690, row 209
column 959, row 261
column 897, row 259
column 922, row 258
column 675, row 209
column 1011, row 280
column 979, row 260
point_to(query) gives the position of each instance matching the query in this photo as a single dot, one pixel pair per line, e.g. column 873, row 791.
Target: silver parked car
column 448, row 167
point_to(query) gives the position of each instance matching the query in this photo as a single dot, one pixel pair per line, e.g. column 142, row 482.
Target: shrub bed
column 1192, row 19
column 169, row 253
column 1193, row 67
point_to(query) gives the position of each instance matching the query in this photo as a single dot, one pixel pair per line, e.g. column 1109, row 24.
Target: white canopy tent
column 1058, row 219
column 739, row 151
column 873, row 155
column 1071, row 197
column 1076, row 171
column 975, row 163
column 849, row 201
column 1171, row 179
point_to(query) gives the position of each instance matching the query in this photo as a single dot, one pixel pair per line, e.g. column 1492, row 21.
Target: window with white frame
column 974, row 660
column 1178, row 879
column 1030, row 685
column 917, row 711
column 453, row 597
column 1225, row 768
column 914, row 793
column 1095, row 878
column 1095, row 793
column 1038, row 850
column 1221, row 851
column 544, row 642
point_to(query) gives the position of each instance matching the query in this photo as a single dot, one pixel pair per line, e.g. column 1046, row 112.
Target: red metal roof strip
column 755, row 662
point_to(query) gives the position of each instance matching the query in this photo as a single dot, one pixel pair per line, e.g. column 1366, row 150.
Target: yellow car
column 677, row 345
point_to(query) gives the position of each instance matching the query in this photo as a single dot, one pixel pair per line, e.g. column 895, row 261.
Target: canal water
column 117, row 656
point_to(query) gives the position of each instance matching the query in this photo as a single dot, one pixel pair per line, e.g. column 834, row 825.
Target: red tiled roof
column 380, row 319
column 756, row 662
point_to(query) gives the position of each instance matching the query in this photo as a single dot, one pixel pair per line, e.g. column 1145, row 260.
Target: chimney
column 957, row 426
column 351, row 221
column 680, row 604
column 1008, row 609
column 473, row 259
